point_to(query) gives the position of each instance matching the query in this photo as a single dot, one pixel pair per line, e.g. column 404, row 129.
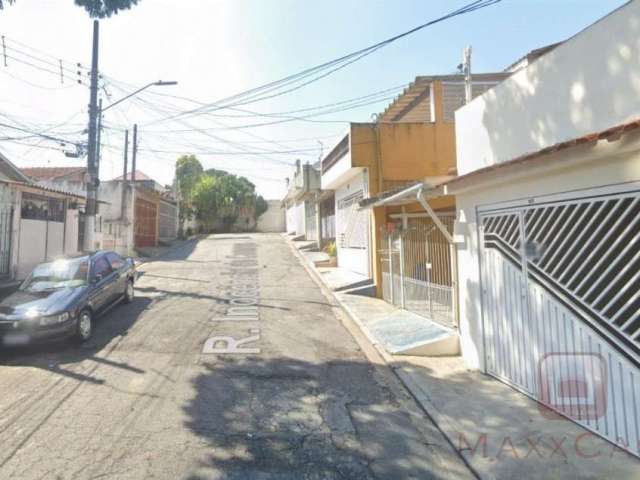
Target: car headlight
column 53, row 319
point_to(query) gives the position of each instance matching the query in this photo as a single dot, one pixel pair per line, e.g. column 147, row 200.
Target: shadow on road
column 292, row 419
column 60, row 356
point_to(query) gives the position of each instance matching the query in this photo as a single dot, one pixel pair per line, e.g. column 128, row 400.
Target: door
column 118, row 266
column 145, row 223
column 561, row 307
column 103, row 280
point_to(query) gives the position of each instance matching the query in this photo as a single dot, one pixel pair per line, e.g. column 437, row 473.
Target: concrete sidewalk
column 500, row 432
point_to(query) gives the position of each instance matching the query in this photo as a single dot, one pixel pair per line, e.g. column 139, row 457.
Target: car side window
column 101, row 267
column 116, row 261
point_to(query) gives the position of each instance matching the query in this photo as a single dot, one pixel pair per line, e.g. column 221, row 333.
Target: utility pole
column 90, row 209
column 123, row 201
column 134, row 154
column 98, row 144
column 466, row 70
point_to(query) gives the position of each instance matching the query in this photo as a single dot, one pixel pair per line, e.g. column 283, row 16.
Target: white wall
column 273, row 219
column 71, row 232
column 295, row 218
column 605, row 166
column 586, row 85
column 117, row 232
column 353, row 259
column 32, row 246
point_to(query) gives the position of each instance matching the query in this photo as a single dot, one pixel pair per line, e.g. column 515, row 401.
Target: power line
column 253, row 95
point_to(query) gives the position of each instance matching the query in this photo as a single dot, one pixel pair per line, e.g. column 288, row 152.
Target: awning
column 406, row 195
column 403, row 195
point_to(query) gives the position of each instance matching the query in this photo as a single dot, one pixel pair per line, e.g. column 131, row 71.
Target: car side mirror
column 97, row 277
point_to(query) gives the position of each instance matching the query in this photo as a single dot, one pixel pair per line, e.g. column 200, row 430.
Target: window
column 115, row 260
column 101, row 267
column 38, row 207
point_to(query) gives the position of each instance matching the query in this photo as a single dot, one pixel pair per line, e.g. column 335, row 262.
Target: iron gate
column 416, row 269
column 561, row 308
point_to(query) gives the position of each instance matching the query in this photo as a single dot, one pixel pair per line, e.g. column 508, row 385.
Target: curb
column 413, row 390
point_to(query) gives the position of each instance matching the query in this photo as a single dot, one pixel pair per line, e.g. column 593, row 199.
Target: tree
column 221, row 197
column 206, row 199
column 261, row 206
column 188, row 172
column 95, row 8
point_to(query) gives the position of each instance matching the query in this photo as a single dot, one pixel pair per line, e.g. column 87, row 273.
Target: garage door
column 145, row 223
column 561, row 307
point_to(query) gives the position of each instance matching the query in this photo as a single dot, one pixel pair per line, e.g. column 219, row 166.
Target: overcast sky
column 216, row 48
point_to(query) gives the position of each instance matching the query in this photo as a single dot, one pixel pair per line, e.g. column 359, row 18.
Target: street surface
column 229, row 364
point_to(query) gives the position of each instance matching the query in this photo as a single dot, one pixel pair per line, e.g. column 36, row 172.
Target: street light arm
column 159, row 83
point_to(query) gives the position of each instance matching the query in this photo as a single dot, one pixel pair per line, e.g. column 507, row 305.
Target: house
column 412, row 140
column 69, row 179
column 548, row 228
column 301, row 202
column 137, row 216
column 37, row 222
column 142, row 179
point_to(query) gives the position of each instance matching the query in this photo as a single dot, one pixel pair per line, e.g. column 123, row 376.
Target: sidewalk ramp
column 405, row 333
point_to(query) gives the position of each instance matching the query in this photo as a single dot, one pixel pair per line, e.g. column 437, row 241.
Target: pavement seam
column 371, row 348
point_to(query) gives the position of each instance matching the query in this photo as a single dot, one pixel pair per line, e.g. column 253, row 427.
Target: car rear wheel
column 85, row 326
column 128, row 292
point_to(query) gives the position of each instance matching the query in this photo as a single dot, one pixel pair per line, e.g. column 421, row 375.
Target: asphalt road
column 183, row 384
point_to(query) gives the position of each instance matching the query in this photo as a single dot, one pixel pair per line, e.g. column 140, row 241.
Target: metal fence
column 417, row 269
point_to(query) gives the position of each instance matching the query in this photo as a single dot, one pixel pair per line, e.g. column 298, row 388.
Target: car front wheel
column 85, row 326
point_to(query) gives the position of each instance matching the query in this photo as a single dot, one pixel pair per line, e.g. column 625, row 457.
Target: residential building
column 412, row 140
column 137, row 218
column 142, row 180
column 301, row 202
column 548, row 228
column 69, row 179
column 37, row 222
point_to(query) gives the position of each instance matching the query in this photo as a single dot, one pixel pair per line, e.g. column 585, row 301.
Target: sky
column 218, row 48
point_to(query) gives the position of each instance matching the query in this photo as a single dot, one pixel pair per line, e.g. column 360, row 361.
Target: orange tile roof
column 49, row 173
column 139, row 176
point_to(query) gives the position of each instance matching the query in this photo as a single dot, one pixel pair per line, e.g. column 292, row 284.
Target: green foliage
column 188, row 172
column 222, row 197
column 95, row 8
column 331, row 249
column 261, row 206
column 105, row 8
column 206, row 198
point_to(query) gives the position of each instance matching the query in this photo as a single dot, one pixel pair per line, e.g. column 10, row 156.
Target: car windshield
column 59, row 274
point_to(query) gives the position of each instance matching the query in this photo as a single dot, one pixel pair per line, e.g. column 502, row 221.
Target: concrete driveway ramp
column 405, row 333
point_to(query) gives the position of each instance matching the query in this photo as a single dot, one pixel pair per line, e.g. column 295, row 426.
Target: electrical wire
column 261, row 93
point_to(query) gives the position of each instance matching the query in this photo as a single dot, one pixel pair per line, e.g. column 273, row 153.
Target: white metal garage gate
column 561, row 307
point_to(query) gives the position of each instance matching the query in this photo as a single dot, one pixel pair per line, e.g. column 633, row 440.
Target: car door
column 118, row 266
column 102, row 283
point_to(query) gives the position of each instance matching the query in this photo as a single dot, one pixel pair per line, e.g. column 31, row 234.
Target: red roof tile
column 139, row 176
column 50, row 173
